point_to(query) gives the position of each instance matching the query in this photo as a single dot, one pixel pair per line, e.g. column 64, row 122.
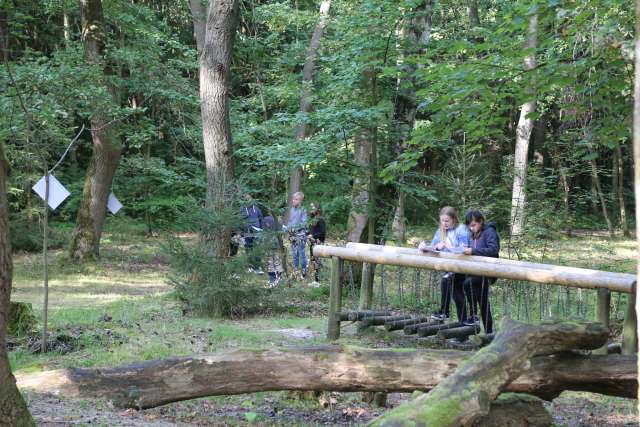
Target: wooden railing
column 547, row 274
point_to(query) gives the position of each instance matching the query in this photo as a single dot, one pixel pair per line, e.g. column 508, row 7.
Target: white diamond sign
column 113, row 204
column 57, row 192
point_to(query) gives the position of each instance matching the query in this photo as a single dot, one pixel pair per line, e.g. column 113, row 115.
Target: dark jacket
column 318, row 229
column 252, row 216
column 487, row 242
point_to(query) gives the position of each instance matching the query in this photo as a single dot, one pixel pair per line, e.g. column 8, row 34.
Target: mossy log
column 381, row 320
column 466, row 395
column 427, row 331
column 413, row 329
column 322, row 368
column 400, row 324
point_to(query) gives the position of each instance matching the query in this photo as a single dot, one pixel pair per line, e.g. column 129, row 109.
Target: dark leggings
column 452, row 286
column 476, row 289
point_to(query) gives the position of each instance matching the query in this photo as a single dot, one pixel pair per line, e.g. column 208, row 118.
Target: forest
column 200, row 161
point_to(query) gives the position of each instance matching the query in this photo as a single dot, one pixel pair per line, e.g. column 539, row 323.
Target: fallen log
column 466, row 395
column 343, row 317
column 413, row 329
column 460, row 332
column 356, row 316
column 427, row 331
column 381, row 320
column 400, row 324
column 322, row 368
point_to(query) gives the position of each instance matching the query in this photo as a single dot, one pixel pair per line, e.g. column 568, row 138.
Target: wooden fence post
column 603, row 309
column 630, row 327
column 335, row 298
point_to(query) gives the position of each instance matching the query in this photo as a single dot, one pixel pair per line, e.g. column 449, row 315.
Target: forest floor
column 121, row 310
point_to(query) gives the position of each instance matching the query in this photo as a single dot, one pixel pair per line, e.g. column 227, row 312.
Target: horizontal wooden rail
column 500, row 261
column 570, row 276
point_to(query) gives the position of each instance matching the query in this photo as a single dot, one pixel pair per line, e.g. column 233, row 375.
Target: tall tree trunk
column 13, row 409
column 4, row 36
column 636, row 145
column 564, row 182
column 215, row 69
column 85, row 243
column 66, row 23
column 302, row 131
column 359, row 214
column 199, row 17
column 600, row 194
column 472, row 12
column 399, row 222
column 619, row 166
column 523, row 134
column 417, row 34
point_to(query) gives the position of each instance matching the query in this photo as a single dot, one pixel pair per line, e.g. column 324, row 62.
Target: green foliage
column 467, row 85
column 212, row 285
column 26, row 235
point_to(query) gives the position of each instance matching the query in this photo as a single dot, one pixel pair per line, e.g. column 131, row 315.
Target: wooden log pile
column 464, row 397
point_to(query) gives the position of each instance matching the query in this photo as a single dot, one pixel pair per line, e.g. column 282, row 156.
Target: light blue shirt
column 297, row 219
column 458, row 237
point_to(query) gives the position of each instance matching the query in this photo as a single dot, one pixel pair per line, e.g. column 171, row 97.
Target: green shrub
column 212, row 285
column 27, row 235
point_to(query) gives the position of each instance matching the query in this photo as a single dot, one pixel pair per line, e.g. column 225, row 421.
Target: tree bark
column 600, row 194
column 399, row 221
column 359, row 213
column 472, row 12
column 215, row 69
column 85, row 243
column 199, row 16
column 466, row 395
column 636, row 149
column 66, row 23
column 13, row 409
column 523, row 134
column 302, row 131
column 620, row 190
column 417, row 34
column 322, row 368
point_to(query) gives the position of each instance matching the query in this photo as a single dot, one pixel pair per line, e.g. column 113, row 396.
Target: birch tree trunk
column 215, row 69
column 13, row 409
column 620, row 190
column 85, row 243
column 302, row 131
column 523, row 134
column 199, row 16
